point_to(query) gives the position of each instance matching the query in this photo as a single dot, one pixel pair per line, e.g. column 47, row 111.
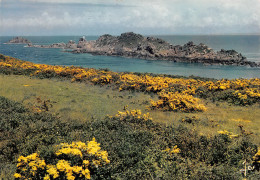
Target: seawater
column 248, row 45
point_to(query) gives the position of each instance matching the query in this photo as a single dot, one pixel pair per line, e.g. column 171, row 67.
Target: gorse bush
column 133, row 115
column 170, row 101
column 71, row 161
column 24, row 132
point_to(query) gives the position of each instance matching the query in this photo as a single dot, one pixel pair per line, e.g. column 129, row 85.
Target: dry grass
column 218, row 117
column 85, row 102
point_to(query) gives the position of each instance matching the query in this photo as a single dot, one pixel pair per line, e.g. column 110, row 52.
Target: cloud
column 138, row 17
column 146, row 16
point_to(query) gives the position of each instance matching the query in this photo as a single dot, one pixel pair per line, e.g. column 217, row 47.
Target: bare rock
column 18, row 40
column 137, row 46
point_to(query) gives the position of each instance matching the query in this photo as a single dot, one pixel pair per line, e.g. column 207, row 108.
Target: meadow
column 151, row 126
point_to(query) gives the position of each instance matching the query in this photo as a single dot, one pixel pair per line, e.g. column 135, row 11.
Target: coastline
column 205, row 62
column 129, row 64
column 137, row 46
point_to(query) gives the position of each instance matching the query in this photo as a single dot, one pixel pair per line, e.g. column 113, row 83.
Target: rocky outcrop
column 71, row 45
column 82, row 42
column 137, row 46
column 18, row 40
column 54, row 45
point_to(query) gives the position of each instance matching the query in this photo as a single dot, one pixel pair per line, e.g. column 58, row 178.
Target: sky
column 148, row 17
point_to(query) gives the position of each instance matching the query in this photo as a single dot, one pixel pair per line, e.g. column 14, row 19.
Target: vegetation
column 136, row 146
column 151, row 137
column 239, row 91
column 69, row 161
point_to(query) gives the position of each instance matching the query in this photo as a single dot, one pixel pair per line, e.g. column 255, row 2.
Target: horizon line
column 116, row 34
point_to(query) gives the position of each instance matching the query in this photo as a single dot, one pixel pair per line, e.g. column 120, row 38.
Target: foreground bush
column 137, row 147
column 145, row 150
column 70, row 161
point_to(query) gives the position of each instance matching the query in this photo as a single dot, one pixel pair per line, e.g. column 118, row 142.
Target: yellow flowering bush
column 30, row 166
column 239, row 91
column 104, row 79
column 73, row 161
column 135, row 114
column 175, row 101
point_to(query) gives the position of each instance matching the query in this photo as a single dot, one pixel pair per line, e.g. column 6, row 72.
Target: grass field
column 84, row 102
column 70, row 100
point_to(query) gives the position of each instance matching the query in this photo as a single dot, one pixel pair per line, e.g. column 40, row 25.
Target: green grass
column 70, row 100
column 84, row 102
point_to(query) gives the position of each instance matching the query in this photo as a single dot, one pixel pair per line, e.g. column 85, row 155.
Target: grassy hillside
column 184, row 128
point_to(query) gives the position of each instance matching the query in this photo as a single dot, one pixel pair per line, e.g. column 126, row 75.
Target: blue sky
column 96, row 17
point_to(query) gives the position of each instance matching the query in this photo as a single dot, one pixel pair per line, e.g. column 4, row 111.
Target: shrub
column 72, row 161
column 174, row 101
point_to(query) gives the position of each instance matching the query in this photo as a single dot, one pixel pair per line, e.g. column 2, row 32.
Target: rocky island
column 18, row 40
column 151, row 48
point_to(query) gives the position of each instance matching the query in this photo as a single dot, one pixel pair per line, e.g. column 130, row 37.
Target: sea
column 248, row 45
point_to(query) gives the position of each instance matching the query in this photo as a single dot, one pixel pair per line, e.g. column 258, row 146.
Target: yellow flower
column 51, row 169
column 68, row 151
column 86, row 162
column 22, row 158
column 224, row 132
column 46, row 177
column 93, row 147
column 77, row 169
column 32, row 156
column 62, row 165
column 174, row 150
column 86, row 173
column 70, row 177
column 17, row 175
column 222, row 87
column 34, row 168
column 230, row 134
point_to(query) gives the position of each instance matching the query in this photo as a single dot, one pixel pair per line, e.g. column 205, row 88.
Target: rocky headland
column 18, row 40
column 151, row 48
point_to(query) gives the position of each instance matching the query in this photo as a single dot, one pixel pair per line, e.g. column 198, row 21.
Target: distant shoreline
column 151, row 48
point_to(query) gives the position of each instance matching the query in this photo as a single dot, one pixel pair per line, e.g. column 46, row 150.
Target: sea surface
column 248, row 45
